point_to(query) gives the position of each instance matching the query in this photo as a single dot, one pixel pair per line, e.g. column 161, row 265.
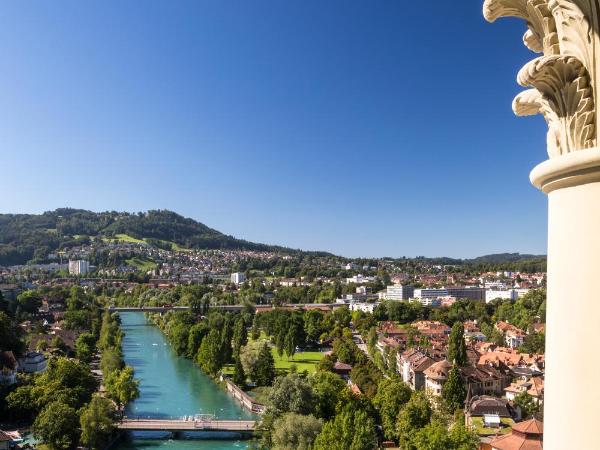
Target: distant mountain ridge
column 31, row 237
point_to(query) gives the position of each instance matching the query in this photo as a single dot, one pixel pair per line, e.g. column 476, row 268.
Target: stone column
column 562, row 85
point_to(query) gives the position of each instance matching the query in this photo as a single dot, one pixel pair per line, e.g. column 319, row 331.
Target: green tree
column 294, row 431
column 264, row 370
column 57, row 425
column 240, row 335
column 209, row 355
column 391, row 396
column 457, row 350
column 29, row 301
column 529, row 407
column 197, row 333
column 291, row 393
column 85, row 346
column 327, row 389
column 97, row 422
column 349, row 430
column 454, row 391
column 122, row 386
column 413, row 416
column 239, row 376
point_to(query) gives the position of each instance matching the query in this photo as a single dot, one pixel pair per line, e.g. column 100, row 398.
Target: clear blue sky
column 362, row 128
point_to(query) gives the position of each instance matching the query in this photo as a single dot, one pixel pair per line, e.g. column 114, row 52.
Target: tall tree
column 264, row 369
column 291, row 393
column 457, row 350
column 122, row 387
column 391, row 396
column 57, row 425
column 415, row 415
column 349, row 430
column 327, row 388
column 96, row 421
column 239, row 376
column 454, row 391
column 209, row 355
column 295, row 431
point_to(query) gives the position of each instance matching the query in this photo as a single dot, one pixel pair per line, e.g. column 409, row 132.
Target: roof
column 484, row 404
column 524, row 436
column 532, row 426
column 438, row 371
column 4, row 437
column 341, row 366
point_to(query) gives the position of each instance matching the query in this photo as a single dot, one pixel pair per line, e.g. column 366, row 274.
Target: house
column 524, row 435
column 8, row 368
column 485, row 380
column 33, row 362
column 5, row 440
column 412, row 364
column 513, row 336
column 534, row 386
column 342, row 369
column 436, row 375
column 484, row 406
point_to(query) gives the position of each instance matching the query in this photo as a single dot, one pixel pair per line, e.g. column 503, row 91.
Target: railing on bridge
column 198, row 422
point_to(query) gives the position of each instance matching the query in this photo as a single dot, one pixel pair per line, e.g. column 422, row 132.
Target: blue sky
column 362, row 128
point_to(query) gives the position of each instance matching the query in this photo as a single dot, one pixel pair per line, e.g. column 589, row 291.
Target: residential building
column 485, row 380
column 513, row 335
column 412, row 364
column 436, row 375
column 238, row 277
column 534, row 386
column 399, row 292
column 33, row 362
column 5, row 440
column 364, row 307
column 79, row 267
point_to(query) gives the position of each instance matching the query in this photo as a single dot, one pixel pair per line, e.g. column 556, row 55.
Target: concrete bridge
column 232, row 308
column 190, row 424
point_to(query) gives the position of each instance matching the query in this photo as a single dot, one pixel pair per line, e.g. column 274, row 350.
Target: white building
column 33, row 362
column 399, row 292
column 364, row 307
column 360, row 279
column 79, row 267
column 238, row 277
column 505, row 294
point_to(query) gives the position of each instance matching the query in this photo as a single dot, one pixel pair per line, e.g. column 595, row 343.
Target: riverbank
column 171, row 386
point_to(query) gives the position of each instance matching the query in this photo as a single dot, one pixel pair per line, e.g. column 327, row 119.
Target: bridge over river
column 187, row 424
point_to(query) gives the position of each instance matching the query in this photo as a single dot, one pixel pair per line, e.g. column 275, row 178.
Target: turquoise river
column 171, row 386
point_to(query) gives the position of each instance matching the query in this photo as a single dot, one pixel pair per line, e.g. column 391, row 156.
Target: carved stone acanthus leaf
column 564, row 97
column 540, row 21
column 565, row 78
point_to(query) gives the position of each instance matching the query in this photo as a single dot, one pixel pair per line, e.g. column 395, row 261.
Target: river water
column 171, row 387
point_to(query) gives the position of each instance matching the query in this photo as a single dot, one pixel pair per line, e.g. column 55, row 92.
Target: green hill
column 31, row 237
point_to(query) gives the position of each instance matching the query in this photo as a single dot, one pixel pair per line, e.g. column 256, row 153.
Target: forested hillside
column 30, row 237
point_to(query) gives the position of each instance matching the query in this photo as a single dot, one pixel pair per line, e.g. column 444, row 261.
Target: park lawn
column 141, row 264
column 304, row 361
column 479, row 428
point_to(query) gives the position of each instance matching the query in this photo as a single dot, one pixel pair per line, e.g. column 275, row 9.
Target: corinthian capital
column 564, row 79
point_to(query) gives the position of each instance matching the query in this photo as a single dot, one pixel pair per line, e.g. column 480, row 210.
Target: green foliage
column 534, row 343
column 97, row 422
column 391, row 396
column 57, row 425
column 85, row 346
column 413, row 416
column 454, row 391
column 294, row 431
column 29, row 301
column 264, row 370
column 121, row 386
column 327, row 388
column 239, row 376
column 209, row 355
column 349, row 430
column 435, row 436
column 457, row 350
column 529, row 407
column 291, row 393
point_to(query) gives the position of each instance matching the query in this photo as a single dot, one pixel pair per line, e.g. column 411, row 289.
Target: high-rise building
column 238, row 277
column 79, row 267
column 399, row 292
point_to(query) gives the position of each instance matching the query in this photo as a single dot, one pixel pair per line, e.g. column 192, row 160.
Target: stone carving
column 564, row 78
